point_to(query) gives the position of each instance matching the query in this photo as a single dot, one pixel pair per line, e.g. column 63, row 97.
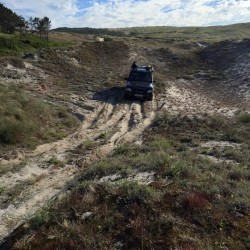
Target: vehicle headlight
column 128, row 89
column 149, row 91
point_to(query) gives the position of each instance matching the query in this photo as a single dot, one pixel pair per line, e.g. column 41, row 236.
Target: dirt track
column 40, row 180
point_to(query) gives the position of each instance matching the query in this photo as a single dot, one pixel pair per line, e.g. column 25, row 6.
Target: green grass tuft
column 30, row 121
column 244, row 118
column 18, row 44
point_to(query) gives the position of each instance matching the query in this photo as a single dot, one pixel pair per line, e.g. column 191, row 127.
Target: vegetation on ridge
column 208, row 34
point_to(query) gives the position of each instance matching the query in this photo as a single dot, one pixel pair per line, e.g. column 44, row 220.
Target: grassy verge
column 27, row 122
column 191, row 203
column 18, row 44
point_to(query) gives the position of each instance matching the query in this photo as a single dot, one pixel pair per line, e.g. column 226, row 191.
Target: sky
column 133, row 13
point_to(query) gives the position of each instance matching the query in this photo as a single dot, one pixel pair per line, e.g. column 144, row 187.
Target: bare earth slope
column 88, row 80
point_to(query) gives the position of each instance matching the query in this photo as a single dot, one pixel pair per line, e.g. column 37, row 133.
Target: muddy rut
column 40, row 180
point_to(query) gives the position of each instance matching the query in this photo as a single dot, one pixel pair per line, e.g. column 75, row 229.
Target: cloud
column 130, row 13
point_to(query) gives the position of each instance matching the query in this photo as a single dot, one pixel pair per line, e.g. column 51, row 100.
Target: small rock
column 30, row 56
column 110, row 178
column 118, row 245
column 87, row 215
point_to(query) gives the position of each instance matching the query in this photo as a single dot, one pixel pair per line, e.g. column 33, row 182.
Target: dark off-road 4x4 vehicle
column 140, row 83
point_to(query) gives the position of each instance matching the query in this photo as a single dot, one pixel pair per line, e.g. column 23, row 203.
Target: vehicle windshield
column 140, row 76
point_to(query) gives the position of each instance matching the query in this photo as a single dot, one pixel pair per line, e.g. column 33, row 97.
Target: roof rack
column 143, row 68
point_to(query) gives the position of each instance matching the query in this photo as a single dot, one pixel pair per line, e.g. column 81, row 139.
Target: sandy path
column 182, row 98
column 40, row 180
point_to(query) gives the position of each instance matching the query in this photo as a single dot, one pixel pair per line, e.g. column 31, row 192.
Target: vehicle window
column 140, row 76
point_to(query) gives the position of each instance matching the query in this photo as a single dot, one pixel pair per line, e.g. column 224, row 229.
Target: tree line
column 91, row 31
column 10, row 22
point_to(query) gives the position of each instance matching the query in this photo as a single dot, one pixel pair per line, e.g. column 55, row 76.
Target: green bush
column 123, row 149
column 108, row 39
column 244, row 118
column 43, row 216
column 29, row 122
column 13, row 130
column 134, row 191
column 56, row 162
column 161, row 144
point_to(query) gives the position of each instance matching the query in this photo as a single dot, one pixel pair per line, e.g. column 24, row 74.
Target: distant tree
column 34, row 24
column 44, row 26
column 9, row 20
column 31, row 24
column 22, row 24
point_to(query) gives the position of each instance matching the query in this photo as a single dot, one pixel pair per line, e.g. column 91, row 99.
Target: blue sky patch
column 167, row 9
column 82, row 4
column 213, row 3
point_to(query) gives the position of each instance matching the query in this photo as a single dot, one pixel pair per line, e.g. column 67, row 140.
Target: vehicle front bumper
column 145, row 94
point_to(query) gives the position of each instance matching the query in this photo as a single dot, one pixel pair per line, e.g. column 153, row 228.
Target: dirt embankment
column 88, row 80
column 83, row 69
column 232, row 59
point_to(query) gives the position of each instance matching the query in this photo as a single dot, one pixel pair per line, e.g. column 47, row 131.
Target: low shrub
column 123, row 149
column 56, row 162
column 30, row 121
column 108, row 39
column 194, row 201
column 244, row 118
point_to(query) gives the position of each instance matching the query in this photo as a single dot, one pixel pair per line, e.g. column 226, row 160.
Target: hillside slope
column 162, row 155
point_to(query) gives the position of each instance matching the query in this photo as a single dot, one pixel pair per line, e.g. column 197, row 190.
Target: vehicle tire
column 150, row 98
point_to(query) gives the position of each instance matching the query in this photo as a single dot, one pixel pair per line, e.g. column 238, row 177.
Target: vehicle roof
column 140, row 68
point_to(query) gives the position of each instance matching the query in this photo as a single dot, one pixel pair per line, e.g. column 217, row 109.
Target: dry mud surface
column 105, row 112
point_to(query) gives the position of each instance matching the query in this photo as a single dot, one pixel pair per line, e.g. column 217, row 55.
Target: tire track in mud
column 40, row 180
